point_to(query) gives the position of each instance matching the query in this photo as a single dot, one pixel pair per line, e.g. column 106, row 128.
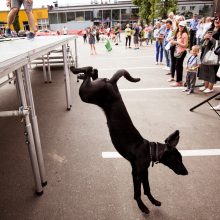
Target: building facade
column 82, row 16
column 201, row 7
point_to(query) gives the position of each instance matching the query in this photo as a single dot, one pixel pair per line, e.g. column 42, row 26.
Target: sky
column 39, row 3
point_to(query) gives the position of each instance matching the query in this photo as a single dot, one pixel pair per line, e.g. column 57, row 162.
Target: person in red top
column 181, row 41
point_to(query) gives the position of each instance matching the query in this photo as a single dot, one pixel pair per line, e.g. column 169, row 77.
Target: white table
column 15, row 55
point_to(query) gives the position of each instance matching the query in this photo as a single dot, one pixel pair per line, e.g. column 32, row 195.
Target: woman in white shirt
column 199, row 31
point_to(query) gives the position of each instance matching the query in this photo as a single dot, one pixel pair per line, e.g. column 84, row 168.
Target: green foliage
column 151, row 9
column 16, row 24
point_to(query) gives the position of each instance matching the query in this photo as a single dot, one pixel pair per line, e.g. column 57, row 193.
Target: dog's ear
column 173, row 139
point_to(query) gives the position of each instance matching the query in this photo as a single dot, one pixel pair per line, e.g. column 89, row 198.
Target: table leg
column 44, row 70
column 35, row 126
column 31, row 144
column 67, row 77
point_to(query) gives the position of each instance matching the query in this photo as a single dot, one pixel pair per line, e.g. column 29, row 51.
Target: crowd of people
column 175, row 37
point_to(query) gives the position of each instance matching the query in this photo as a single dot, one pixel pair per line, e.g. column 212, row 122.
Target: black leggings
column 177, row 64
column 128, row 41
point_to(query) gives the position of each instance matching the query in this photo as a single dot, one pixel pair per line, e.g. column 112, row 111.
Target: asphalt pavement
column 82, row 185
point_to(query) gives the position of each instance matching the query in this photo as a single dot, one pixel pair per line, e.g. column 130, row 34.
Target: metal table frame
column 17, row 62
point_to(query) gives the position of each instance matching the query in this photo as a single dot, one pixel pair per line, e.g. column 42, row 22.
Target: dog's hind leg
column 137, row 191
column 147, row 192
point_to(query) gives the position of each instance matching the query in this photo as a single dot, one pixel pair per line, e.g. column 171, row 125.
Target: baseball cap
column 182, row 23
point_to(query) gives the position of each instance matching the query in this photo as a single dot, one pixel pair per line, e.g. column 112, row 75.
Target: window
column 61, row 17
column 115, row 14
column 106, row 14
column 80, row 16
column 53, row 18
column 192, row 8
column 183, row 8
column 134, row 13
column 70, row 16
column 88, row 15
column 125, row 14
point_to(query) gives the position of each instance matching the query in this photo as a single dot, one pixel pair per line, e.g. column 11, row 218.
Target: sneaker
column 185, row 90
column 167, row 68
column 161, row 63
column 202, row 88
column 170, row 80
column 189, row 92
column 168, row 73
column 30, row 35
column 208, row 90
column 8, row 32
column 156, row 63
column 216, row 108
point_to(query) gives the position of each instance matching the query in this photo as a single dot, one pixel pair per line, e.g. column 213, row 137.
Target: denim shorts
column 18, row 3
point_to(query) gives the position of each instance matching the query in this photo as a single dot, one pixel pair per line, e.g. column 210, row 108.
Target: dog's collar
column 156, row 154
column 155, row 157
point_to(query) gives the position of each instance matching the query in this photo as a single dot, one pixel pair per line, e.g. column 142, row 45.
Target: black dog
column 125, row 137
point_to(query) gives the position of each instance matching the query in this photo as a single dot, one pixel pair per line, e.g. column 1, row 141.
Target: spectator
column 150, row 33
column 84, row 32
column 173, row 47
column 199, row 31
column 193, row 28
column 136, row 36
column 92, row 33
column 207, row 25
column 128, row 32
column 181, row 43
column 15, row 5
column 97, row 35
column 193, row 64
column 159, row 43
column 65, row 30
column 117, row 32
column 207, row 72
column 146, row 34
column 168, row 31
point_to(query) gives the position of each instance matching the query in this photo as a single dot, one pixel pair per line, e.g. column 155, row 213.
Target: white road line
column 185, row 153
column 131, row 68
column 154, row 89
column 124, row 57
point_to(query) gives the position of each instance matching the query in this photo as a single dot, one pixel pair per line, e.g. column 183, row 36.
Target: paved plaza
column 82, row 185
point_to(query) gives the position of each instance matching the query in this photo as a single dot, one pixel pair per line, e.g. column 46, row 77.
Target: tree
column 151, row 9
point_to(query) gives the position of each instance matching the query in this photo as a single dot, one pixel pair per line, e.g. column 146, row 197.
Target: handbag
column 210, row 57
column 177, row 55
column 217, row 50
column 218, row 73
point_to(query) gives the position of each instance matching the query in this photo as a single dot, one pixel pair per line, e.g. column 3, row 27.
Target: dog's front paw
column 156, row 203
column 142, row 207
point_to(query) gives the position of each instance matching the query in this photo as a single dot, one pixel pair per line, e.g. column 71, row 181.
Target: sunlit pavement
column 82, row 184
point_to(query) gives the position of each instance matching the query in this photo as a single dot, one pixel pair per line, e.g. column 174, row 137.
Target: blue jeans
column 159, row 51
column 167, row 56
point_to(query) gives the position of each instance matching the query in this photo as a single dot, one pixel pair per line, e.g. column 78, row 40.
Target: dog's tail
column 124, row 73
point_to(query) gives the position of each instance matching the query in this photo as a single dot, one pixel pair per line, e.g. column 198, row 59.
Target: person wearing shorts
column 15, row 5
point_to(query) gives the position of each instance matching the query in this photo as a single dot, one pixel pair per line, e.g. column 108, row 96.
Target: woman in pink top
column 181, row 41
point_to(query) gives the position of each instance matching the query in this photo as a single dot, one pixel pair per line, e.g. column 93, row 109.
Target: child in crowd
column 193, row 64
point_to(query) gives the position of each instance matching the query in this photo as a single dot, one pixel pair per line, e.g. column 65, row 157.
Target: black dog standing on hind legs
column 125, row 137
